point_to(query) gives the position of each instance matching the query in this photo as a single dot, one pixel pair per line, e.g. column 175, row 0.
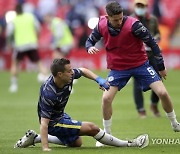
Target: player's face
column 116, row 20
column 67, row 74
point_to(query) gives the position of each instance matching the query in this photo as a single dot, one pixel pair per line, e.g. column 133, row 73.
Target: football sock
column 108, row 139
column 107, row 125
column 172, row 118
column 51, row 139
column 13, row 80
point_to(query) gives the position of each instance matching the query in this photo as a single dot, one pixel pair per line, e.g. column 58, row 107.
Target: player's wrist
column 98, row 79
column 161, row 67
column 102, row 82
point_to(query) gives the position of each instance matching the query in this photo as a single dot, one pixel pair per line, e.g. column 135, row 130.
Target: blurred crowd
column 77, row 13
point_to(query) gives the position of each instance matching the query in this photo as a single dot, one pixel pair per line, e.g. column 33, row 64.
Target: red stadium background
column 79, row 57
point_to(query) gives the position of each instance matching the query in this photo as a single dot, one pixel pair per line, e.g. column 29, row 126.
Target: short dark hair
column 113, row 8
column 19, row 9
column 58, row 65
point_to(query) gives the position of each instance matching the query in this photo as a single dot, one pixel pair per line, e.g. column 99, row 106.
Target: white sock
column 51, row 139
column 13, row 80
column 107, row 125
column 172, row 118
column 108, row 139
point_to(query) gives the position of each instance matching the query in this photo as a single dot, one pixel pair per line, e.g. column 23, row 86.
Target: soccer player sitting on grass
column 56, row 126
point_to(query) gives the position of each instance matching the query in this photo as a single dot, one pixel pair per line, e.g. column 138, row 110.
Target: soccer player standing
column 126, row 57
column 22, row 36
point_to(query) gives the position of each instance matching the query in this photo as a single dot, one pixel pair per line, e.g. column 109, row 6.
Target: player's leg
column 154, row 104
column 148, row 78
column 51, row 139
column 58, row 54
column 42, row 69
column 33, row 55
column 154, row 99
column 117, row 80
column 159, row 88
column 67, row 131
column 14, row 73
column 162, row 93
column 31, row 138
column 43, row 73
column 107, row 100
column 139, row 99
column 90, row 129
column 16, row 58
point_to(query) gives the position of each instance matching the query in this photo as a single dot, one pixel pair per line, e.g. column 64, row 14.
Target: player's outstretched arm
column 104, row 85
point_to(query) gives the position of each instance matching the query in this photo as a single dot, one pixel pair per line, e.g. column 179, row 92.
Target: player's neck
column 60, row 84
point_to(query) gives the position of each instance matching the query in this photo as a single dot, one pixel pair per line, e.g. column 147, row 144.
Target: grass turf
column 18, row 114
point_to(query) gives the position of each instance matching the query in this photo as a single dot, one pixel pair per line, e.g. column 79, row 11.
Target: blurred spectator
column 126, row 4
column 46, row 6
column 22, row 36
column 2, row 34
column 156, row 10
column 75, row 18
column 151, row 23
column 29, row 7
column 62, row 39
column 78, row 20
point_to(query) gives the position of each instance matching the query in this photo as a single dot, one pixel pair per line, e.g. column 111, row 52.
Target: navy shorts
column 66, row 130
column 144, row 74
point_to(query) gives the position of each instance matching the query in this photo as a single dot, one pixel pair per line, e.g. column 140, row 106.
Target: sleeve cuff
column 161, row 67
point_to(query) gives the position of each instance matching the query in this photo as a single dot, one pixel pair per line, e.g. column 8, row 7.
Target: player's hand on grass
column 104, row 84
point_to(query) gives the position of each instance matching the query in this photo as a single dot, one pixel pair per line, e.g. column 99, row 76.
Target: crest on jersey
column 111, row 78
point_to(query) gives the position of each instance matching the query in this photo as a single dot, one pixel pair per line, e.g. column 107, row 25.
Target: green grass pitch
column 18, row 114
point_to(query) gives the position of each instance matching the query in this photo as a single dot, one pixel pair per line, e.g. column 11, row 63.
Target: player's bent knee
column 93, row 129
column 88, row 128
column 106, row 100
column 162, row 94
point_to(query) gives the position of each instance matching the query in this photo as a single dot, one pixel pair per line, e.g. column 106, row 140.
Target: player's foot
column 142, row 114
column 155, row 110
column 13, row 88
column 26, row 140
column 141, row 141
column 176, row 127
column 99, row 144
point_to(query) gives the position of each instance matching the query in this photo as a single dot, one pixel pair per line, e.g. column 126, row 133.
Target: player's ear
column 59, row 74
